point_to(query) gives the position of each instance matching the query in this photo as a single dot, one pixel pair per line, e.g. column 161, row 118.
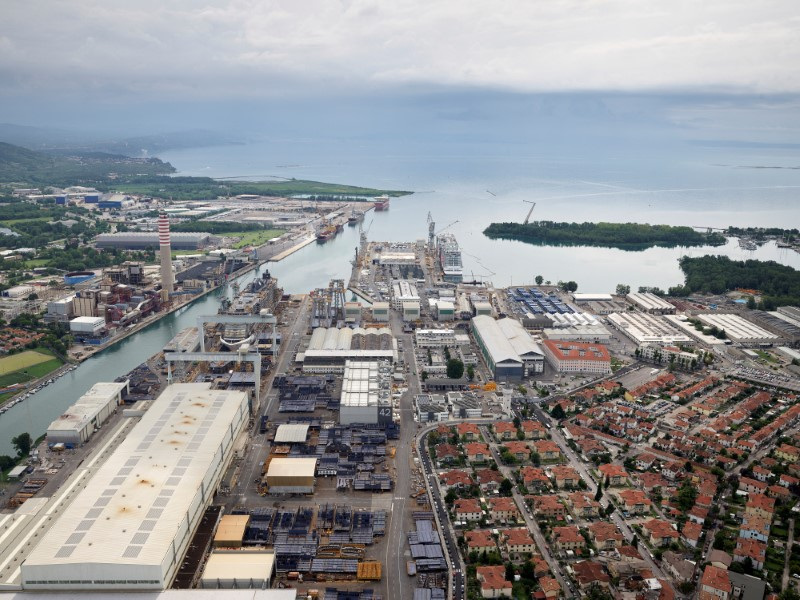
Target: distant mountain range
column 70, row 142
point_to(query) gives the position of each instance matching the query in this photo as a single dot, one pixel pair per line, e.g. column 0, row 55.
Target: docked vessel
column 263, row 293
column 325, row 233
column 354, row 218
column 450, row 258
column 382, row 202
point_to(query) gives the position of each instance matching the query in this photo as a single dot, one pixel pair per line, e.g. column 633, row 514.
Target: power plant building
column 509, row 350
column 129, row 527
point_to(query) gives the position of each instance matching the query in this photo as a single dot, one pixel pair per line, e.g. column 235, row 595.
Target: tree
column 6, row 462
column 539, row 279
column 635, row 541
column 22, row 443
column 623, row 289
column 450, row 497
column 506, row 486
column 599, row 493
column 455, row 368
column 424, row 375
column 470, row 372
column 558, row 412
column 536, row 459
column 608, row 482
column 510, row 571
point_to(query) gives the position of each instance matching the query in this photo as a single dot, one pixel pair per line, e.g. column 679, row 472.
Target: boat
column 450, row 258
column 355, row 218
column 382, row 202
column 325, row 233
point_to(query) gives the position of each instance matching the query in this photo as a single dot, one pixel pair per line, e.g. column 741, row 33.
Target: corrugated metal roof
column 495, row 340
column 292, row 467
column 291, row 432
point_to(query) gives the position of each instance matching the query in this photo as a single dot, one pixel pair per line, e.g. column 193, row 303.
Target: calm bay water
column 475, row 184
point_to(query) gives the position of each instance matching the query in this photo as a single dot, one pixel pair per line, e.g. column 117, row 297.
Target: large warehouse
column 508, row 349
column 129, row 526
column 366, row 393
column 90, row 411
column 650, row 303
column 329, row 349
column 291, row 475
column 738, row 329
column 139, row 240
column 643, row 328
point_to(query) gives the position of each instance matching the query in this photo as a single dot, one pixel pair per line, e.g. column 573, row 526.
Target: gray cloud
column 182, row 48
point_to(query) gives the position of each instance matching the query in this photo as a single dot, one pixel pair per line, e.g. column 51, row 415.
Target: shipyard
column 382, row 436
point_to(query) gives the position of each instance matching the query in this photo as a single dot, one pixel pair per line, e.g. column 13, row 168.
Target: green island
column 625, row 236
column 778, row 284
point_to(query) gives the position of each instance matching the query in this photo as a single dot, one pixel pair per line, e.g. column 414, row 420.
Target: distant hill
column 47, row 139
column 22, row 166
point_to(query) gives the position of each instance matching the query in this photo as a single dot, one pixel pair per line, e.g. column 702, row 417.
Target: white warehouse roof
column 521, row 341
column 288, row 433
column 130, row 524
column 292, row 467
column 649, row 301
column 495, row 340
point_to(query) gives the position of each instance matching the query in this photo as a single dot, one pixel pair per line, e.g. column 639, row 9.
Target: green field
column 253, row 238
column 15, row 362
column 10, row 222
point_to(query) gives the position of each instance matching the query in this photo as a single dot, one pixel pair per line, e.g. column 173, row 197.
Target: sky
column 114, row 57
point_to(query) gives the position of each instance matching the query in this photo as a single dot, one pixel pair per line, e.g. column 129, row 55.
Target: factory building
column 60, row 311
column 88, row 413
column 668, row 355
column 643, row 328
column 403, row 291
column 238, row 569
column 291, row 475
column 780, row 322
column 508, row 349
column 140, row 240
column 739, row 330
column 130, row 525
column 380, row 312
column 89, row 330
column 438, row 338
column 366, row 393
column 330, row 348
column 411, row 311
column 577, row 333
column 576, row 357
column 584, row 298
column 445, row 310
column 650, row 303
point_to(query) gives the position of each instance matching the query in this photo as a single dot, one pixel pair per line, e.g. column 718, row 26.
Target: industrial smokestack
column 167, row 283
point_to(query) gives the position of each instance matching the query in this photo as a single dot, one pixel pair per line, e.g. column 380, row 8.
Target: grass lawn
column 10, row 222
column 47, row 363
column 36, row 262
column 253, row 238
column 15, row 362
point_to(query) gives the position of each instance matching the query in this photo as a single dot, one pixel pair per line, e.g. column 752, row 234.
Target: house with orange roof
column 788, row 481
column 549, row 506
column 691, row 532
column 605, row 535
column 568, row 538
column 565, row 477
column 753, row 549
column 533, row 430
column 787, row 453
column 759, row 505
column 540, row 567
column 489, row 480
column 447, row 453
column 752, row 486
column 468, row 431
column 518, row 450
column 503, row 509
column 517, row 541
column 480, row 540
column 715, row 585
column 616, row 474
column 549, row 587
column 589, row 573
column 505, row 430
column 477, row 452
column 547, row 450
column 583, row 505
column 634, row 502
column 534, row 479
column 660, row 533
column 457, row 478
column 755, row 528
column 467, row 509
column 778, row 492
column 493, row 582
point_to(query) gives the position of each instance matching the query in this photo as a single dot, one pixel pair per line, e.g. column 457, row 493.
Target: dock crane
column 528, row 217
column 446, row 227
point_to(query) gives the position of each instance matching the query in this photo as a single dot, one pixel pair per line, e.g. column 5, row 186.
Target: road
column 531, row 523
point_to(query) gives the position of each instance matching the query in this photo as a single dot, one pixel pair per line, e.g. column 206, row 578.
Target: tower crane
column 431, row 228
column 446, row 227
column 527, row 218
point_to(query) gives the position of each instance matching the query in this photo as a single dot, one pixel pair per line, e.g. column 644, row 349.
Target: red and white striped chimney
column 167, row 281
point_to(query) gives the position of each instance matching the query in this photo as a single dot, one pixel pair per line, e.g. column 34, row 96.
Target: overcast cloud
column 168, row 48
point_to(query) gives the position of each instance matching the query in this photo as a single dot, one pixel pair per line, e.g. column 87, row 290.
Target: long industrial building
column 330, row 348
column 130, row 525
column 575, row 357
column 508, row 349
column 650, row 303
column 366, row 393
column 89, row 412
column 643, row 328
column 139, row 240
column 738, row 329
